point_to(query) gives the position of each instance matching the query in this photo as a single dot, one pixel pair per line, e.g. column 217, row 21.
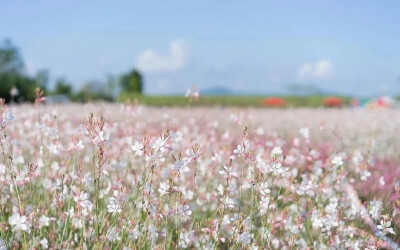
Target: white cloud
column 320, row 70
column 150, row 61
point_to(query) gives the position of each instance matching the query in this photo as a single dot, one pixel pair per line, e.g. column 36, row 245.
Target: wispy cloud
column 320, row 70
column 149, row 61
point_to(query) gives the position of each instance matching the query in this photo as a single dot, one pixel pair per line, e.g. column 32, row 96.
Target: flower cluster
column 201, row 178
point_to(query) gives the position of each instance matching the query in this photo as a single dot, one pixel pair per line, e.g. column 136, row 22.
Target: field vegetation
column 116, row 176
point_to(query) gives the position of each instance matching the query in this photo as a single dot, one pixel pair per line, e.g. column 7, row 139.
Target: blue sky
column 248, row 46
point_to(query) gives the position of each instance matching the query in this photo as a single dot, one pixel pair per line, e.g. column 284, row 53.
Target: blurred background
column 242, row 53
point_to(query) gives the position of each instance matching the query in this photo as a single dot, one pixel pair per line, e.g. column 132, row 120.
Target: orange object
column 333, row 102
column 274, row 102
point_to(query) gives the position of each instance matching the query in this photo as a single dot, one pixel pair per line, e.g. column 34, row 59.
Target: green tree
column 63, row 87
column 11, row 61
column 94, row 90
column 25, row 86
column 132, row 82
column 12, row 74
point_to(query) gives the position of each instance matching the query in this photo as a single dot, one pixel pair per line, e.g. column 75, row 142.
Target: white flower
column 154, row 158
column 357, row 157
column 83, row 201
column 264, row 204
column 263, row 188
column 118, row 197
column 185, row 211
column 159, row 145
column 71, row 212
column 2, row 244
column 234, row 217
column 229, row 203
column 44, row 221
column 276, row 151
column 306, row 189
column 113, row 235
column 337, row 161
column 375, row 209
column 79, row 145
column 242, row 149
column 135, row 233
column 285, row 172
column 87, row 179
column 191, row 155
column 101, row 137
column 164, row 188
column 317, row 221
column 187, row 194
column 8, row 116
column 19, row 223
column 55, row 166
column 254, row 246
column 138, row 148
column 114, row 208
column 3, row 169
column 382, row 181
column 228, row 172
column 275, row 243
column 244, row 238
column 276, row 168
column 218, row 157
column 44, row 243
column 179, row 165
column 305, row 132
column 385, row 227
column 365, row 175
column 184, row 239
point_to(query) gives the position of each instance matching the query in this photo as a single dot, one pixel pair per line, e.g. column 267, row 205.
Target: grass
column 235, row 101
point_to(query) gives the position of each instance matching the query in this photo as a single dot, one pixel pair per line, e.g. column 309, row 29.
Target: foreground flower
column 138, row 148
column 276, row 151
column 337, row 161
column 101, row 137
column 164, row 188
column 44, row 221
column 113, row 235
column 185, row 211
column 305, row 132
column 264, row 204
column 382, row 181
column 2, row 245
column 83, row 201
column 229, row 203
column 365, row 175
column 184, row 240
column 385, row 227
column 244, row 238
column 263, row 188
column 114, row 208
column 19, row 223
column 306, row 189
column 276, row 168
column 44, row 243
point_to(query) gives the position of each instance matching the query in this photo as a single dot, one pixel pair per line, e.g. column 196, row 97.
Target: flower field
column 122, row 176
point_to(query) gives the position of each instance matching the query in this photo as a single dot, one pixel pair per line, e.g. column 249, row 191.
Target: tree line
column 17, row 86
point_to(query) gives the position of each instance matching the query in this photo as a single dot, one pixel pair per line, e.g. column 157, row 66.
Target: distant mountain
column 217, row 90
column 226, row 91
